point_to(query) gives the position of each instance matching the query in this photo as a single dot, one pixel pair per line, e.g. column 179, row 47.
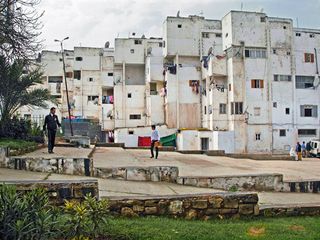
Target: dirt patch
column 256, row 231
column 297, row 228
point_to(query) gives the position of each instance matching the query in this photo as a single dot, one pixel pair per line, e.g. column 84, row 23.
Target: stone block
column 215, row 201
column 211, row 212
column 138, row 174
column 176, row 207
column 169, row 174
column 151, row 210
column 133, row 203
column 154, row 174
column 104, row 173
column 204, row 182
column 246, row 209
column 138, row 208
column 190, row 181
column 227, row 211
column 248, row 198
column 180, row 180
column 200, row 204
column 151, row 203
column 231, row 202
column 128, row 212
column 191, row 214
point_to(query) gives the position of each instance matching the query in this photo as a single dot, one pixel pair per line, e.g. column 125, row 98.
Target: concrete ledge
column 121, row 145
column 290, row 210
column 248, row 182
column 215, row 153
column 154, row 174
column 260, row 156
column 58, row 191
column 72, row 166
column 161, row 149
column 191, row 152
column 193, row 206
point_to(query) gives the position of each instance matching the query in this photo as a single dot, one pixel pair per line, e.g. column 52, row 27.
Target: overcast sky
column 93, row 22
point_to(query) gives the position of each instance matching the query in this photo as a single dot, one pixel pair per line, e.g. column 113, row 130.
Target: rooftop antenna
column 241, row 6
column 178, row 13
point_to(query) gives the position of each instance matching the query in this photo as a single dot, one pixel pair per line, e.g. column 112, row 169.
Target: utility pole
column 65, row 81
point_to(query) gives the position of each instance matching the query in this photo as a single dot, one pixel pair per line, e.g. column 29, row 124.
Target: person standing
column 308, row 148
column 155, row 138
column 51, row 123
column 303, row 149
column 298, row 151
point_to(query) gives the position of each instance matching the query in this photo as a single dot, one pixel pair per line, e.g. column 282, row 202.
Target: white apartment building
column 248, row 83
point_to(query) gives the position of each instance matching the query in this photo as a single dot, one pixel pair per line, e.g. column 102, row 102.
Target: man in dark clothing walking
column 155, row 138
column 51, row 123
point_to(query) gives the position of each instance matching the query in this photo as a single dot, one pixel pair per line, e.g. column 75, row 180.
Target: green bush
column 27, row 216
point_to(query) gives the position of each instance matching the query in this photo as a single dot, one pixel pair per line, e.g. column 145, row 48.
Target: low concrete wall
column 259, row 182
column 73, row 166
column 195, row 206
column 290, row 210
column 155, row 174
column 306, row 186
column 58, row 191
column 260, row 156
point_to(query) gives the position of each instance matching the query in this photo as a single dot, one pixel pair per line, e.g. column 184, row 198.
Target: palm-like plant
column 18, row 89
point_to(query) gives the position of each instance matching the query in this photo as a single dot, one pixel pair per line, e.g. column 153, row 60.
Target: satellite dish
column 107, row 44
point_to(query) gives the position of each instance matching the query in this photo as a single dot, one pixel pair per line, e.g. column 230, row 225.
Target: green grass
column 16, row 144
column 166, row 229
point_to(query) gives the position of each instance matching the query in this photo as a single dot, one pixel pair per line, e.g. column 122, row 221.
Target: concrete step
column 286, row 210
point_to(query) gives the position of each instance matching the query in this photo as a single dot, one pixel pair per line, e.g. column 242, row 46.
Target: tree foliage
column 18, row 88
column 20, row 28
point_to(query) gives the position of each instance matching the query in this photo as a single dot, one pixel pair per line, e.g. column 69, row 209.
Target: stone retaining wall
column 259, row 182
column 154, row 174
column 290, row 210
column 73, row 166
column 58, row 191
column 203, row 206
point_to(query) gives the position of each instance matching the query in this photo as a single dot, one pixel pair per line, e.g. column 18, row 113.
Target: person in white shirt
column 155, row 138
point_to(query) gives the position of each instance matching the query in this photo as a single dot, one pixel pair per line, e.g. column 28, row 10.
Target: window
column 160, row 44
column 179, row 25
column 94, row 99
column 55, row 79
column 130, row 132
column 210, row 109
column 312, row 35
column 255, row 53
column 275, row 105
column 131, row 50
column 307, row 132
column 137, row 42
column 287, row 111
column 79, row 59
column 309, row 111
column 218, row 35
column 256, row 111
column 236, row 108
column 77, row 75
column 258, row 136
column 110, row 74
column 227, row 35
column 282, row 133
column 90, row 79
column 282, row 78
column 288, row 53
column 135, row 116
column 284, row 27
column 205, row 110
column 256, row 83
column 153, row 89
column 298, row 34
column 223, row 108
column 205, row 35
column 27, row 116
column 262, row 19
column 304, row 82
column 274, row 51
column 129, row 95
column 309, row 57
column 69, row 74
column 229, row 86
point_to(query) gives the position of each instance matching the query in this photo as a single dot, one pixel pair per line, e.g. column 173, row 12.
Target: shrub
column 27, row 216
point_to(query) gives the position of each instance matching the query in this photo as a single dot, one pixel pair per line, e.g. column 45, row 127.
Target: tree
column 20, row 28
column 18, row 89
